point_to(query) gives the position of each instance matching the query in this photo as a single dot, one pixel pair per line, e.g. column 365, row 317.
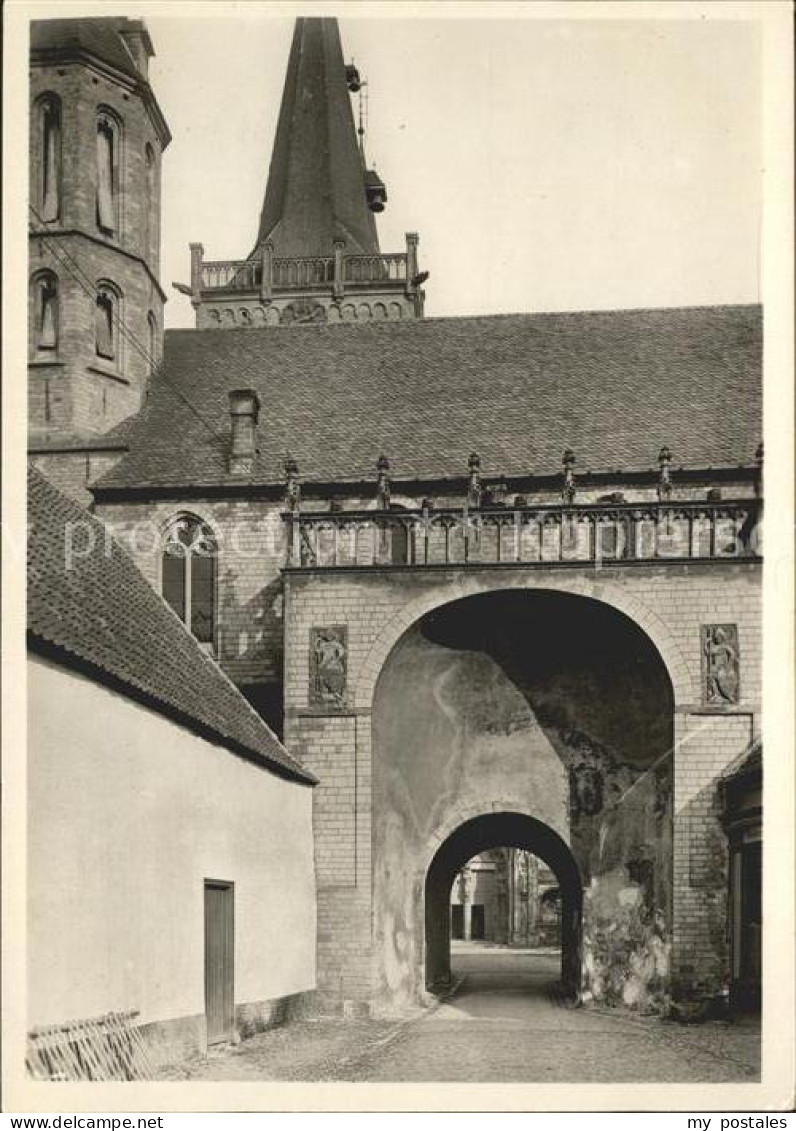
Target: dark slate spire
column 316, row 190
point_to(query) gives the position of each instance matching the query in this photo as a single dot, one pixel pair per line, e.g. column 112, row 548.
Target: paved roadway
column 504, row 1024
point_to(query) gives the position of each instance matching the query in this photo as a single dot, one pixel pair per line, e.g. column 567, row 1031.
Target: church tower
column 95, row 303
column 317, row 256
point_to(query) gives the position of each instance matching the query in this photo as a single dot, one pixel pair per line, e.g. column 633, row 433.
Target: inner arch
column 500, row 830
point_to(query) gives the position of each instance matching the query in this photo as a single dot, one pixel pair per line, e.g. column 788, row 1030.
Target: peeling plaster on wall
column 474, row 717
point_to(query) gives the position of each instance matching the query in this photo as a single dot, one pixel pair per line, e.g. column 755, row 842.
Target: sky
column 565, row 164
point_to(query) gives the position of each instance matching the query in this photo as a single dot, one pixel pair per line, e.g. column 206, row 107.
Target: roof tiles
column 612, row 385
column 101, row 611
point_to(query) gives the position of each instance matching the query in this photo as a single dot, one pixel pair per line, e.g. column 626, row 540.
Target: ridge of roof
column 501, row 316
column 102, row 613
column 614, row 386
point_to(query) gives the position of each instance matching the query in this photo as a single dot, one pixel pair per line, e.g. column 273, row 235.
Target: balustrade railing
column 546, row 534
column 374, row 268
column 294, row 274
column 229, row 274
column 313, row 272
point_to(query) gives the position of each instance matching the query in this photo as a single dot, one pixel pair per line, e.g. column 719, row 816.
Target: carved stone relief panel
column 721, row 678
column 328, row 666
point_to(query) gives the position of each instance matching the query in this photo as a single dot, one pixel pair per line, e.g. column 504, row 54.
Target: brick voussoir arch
column 684, row 681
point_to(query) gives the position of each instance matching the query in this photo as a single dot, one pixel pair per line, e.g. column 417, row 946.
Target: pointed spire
column 316, row 191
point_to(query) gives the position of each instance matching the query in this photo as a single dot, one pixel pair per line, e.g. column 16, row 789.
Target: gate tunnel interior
column 504, row 830
column 538, row 702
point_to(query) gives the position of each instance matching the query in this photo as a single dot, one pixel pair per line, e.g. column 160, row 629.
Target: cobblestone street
column 504, row 1023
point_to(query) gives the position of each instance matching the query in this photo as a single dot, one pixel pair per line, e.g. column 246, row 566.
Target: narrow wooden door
column 219, row 960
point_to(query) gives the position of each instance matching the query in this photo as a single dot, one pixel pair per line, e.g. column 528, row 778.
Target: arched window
column 107, row 316
column 45, row 312
column 49, row 173
column 150, row 203
column 188, row 575
column 108, row 164
column 152, row 341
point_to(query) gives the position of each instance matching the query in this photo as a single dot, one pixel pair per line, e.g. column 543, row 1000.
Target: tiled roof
column 749, row 761
column 102, row 613
column 95, row 36
column 614, row 386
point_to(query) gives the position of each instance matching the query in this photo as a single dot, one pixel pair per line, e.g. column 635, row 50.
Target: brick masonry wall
column 671, row 603
column 73, row 472
column 249, row 598
column 76, row 391
column 264, row 634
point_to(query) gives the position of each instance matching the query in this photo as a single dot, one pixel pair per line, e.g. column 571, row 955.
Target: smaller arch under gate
column 501, row 830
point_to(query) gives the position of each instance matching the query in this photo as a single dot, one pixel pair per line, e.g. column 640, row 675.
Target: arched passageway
column 533, row 719
column 505, row 830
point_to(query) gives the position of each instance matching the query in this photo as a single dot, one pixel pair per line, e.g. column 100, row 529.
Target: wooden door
column 219, row 960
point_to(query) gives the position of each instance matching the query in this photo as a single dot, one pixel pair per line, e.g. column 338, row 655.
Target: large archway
column 550, row 706
column 493, row 830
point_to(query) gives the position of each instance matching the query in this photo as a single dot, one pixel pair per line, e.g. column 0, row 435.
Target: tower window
column 45, row 312
column 152, row 343
column 106, row 323
column 150, row 227
column 50, row 169
column 107, row 173
column 188, row 575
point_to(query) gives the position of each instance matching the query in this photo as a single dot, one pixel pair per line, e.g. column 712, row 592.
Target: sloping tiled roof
column 749, row 761
column 102, row 613
column 95, row 36
column 614, row 386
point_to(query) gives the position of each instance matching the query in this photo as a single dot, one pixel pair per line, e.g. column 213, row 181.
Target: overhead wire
column 71, row 265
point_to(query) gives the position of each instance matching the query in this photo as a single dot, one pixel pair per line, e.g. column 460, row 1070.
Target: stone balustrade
column 302, row 274
column 527, row 535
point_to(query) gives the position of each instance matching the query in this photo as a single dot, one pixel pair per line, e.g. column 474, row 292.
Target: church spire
column 317, row 256
column 316, row 184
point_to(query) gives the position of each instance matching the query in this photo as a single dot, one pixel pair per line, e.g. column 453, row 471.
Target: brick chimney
column 244, row 410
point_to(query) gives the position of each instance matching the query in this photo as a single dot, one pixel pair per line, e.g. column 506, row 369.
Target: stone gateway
column 488, row 607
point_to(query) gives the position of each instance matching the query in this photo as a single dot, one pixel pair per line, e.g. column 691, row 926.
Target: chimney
column 244, row 409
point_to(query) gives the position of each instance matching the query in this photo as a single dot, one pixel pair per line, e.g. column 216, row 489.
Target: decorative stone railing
column 530, row 535
column 230, row 274
column 374, row 268
column 266, row 274
column 303, row 273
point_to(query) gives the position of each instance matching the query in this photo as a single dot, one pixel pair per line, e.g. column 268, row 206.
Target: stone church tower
column 317, row 255
column 95, row 303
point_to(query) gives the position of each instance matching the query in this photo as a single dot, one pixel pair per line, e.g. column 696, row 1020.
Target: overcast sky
column 547, row 165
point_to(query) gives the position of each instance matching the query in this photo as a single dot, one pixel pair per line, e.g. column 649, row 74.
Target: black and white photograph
column 394, row 465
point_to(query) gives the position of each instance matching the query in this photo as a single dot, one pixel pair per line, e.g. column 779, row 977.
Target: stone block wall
column 72, row 389
column 264, row 641
column 73, row 472
column 670, row 603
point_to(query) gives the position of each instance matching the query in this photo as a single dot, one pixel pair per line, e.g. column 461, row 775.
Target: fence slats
column 110, row 1047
